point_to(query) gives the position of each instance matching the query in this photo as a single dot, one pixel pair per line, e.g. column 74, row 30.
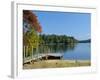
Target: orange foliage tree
column 31, row 18
column 31, row 38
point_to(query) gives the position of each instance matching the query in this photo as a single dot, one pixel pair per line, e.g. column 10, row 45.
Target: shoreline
column 56, row 64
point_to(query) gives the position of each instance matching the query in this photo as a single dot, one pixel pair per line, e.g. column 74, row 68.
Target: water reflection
column 76, row 51
column 55, row 48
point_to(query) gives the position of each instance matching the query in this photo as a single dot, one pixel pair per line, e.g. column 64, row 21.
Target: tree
column 30, row 38
column 31, row 28
column 31, row 18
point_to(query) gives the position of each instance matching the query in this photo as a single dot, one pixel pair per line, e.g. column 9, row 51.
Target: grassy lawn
column 56, row 64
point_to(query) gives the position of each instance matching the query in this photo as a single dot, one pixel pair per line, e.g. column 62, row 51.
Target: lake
column 81, row 51
column 76, row 51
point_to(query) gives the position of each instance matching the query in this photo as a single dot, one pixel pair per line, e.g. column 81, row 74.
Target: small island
column 85, row 41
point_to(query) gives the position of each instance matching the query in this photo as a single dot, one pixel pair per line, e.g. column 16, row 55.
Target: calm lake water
column 79, row 51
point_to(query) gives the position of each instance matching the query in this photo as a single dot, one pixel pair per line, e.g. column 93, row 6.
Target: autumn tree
column 31, row 18
column 31, row 28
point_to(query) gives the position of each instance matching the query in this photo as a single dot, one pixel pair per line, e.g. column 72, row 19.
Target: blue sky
column 73, row 24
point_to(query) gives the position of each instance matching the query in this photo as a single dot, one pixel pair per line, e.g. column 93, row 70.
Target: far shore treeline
column 59, row 39
column 56, row 39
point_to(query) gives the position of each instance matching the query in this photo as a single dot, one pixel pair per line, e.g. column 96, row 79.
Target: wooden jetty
column 46, row 56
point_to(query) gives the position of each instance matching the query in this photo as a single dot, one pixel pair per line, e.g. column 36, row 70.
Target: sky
column 73, row 24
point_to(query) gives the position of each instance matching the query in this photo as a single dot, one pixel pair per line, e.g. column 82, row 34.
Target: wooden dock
column 42, row 57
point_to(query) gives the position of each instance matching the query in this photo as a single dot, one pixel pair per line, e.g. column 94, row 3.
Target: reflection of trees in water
column 56, row 48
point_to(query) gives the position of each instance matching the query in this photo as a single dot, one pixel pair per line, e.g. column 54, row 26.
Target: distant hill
column 85, row 41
